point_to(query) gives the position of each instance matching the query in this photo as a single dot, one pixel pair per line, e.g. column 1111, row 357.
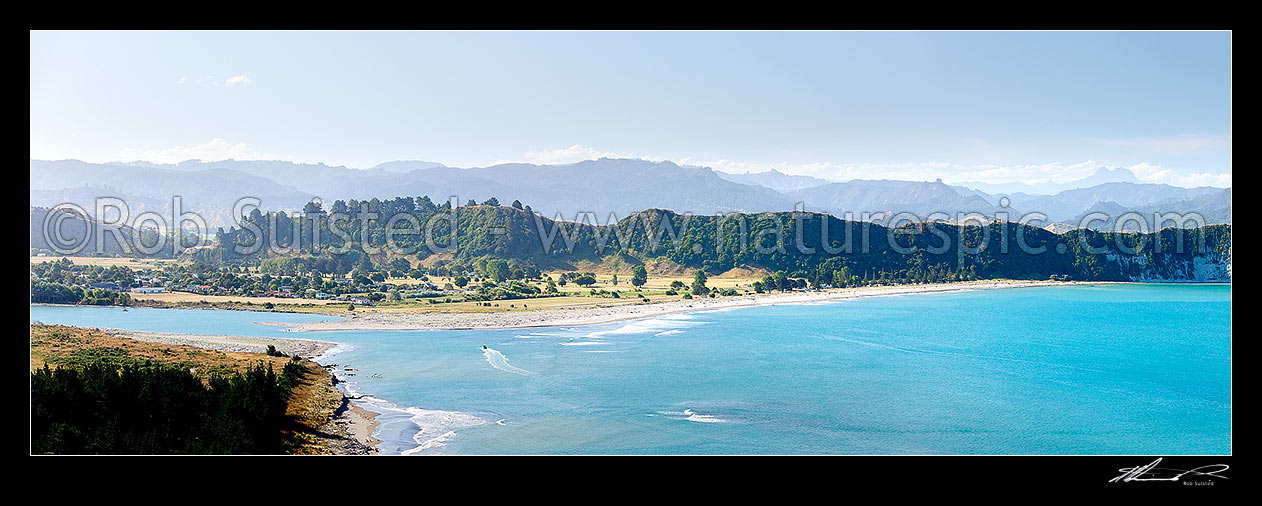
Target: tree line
column 108, row 407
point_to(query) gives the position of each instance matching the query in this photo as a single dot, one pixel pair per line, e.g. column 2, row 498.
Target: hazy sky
column 972, row 106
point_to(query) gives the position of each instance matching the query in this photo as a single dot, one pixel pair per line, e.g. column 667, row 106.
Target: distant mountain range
column 1069, row 204
column 890, row 197
column 1101, row 176
column 775, row 180
column 75, row 234
column 622, row 186
column 1214, row 207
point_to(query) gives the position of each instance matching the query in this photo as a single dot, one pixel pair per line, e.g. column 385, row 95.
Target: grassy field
column 574, row 296
column 133, row 263
column 178, row 298
column 313, row 402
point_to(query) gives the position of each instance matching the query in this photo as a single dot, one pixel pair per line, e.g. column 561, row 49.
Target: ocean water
column 1107, row 369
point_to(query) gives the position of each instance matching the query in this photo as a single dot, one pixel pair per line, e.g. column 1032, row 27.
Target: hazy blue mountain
column 406, row 165
column 607, row 185
column 623, row 186
column 315, row 179
column 75, row 235
column 601, row 186
column 85, row 197
column 886, row 196
column 1118, row 186
column 1214, row 208
column 970, row 192
column 626, row 186
column 774, row 179
column 1069, row 204
column 1102, row 175
column 203, row 187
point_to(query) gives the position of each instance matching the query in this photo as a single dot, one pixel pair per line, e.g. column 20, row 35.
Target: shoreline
column 609, row 314
column 353, row 428
column 931, row 287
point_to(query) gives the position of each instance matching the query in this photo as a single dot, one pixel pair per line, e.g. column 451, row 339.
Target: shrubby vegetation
column 43, row 292
column 108, row 407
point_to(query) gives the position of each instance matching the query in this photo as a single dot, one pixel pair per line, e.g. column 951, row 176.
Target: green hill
column 811, row 245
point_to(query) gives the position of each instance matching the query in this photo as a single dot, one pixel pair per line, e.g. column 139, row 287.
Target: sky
column 991, row 107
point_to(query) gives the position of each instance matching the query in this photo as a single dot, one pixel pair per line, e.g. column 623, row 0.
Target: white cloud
column 1204, row 179
column 216, row 149
column 1053, row 172
column 1153, row 173
column 181, row 81
column 237, row 80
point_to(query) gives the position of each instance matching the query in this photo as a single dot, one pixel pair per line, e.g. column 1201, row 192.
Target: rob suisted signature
column 1151, row 472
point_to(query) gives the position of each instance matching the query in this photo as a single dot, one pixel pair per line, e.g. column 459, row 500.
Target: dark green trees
column 145, row 408
column 639, row 276
column 698, row 283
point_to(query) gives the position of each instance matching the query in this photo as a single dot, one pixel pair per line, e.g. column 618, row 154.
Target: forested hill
column 76, row 234
column 666, row 240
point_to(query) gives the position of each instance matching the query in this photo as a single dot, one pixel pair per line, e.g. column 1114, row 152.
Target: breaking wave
column 337, row 348
column 650, row 326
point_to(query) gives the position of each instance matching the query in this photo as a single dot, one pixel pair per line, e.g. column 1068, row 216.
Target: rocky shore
column 351, row 429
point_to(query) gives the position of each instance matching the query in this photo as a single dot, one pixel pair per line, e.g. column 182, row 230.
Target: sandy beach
column 595, row 315
column 352, row 427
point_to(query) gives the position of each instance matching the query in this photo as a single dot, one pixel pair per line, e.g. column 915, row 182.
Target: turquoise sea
column 1104, row 369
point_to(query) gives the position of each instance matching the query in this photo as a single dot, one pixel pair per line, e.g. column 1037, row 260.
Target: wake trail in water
column 499, row 361
column 691, row 416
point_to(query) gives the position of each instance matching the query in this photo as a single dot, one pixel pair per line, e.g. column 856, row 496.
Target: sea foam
column 691, row 416
column 434, row 428
column 650, row 326
column 337, row 348
column 499, row 361
column 437, row 427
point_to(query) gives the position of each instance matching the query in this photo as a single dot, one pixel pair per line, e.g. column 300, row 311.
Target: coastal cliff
column 1211, row 267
